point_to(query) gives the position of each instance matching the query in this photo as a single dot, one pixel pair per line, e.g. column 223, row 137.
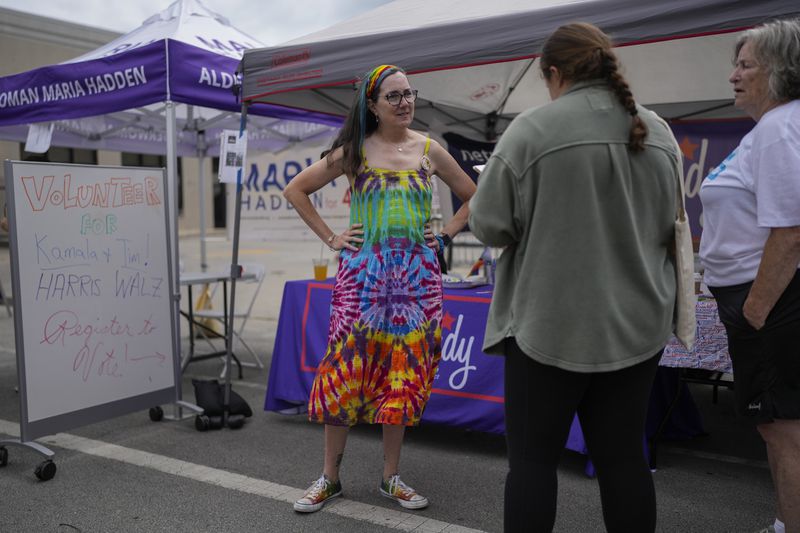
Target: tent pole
column 201, row 178
column 172, row 185
column 512, row 86
column 236, row 271
column 172, row 181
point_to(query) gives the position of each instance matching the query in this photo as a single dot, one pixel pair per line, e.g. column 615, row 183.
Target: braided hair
column 582, row 52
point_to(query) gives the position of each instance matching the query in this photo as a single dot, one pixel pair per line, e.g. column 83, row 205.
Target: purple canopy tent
column 167, row 87
column 184, row 54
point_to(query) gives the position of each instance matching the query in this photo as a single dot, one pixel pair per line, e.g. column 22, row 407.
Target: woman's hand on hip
column 430, row 238
column 351, row 239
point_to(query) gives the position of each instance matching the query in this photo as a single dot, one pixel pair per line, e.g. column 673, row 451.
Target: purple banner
column 84, row 89
column 198, row 77
column 129, row 80
column 705, row 144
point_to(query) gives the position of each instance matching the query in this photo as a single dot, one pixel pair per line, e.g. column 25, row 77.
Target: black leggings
column 541, row 401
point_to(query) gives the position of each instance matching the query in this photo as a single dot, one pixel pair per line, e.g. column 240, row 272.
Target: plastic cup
column 320, row 269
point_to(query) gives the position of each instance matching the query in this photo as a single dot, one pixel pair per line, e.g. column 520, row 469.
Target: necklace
column 398, row 146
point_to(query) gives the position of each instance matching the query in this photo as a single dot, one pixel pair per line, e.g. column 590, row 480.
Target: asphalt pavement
column 129, row 474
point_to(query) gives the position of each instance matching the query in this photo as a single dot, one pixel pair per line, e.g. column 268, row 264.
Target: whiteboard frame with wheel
column 147, row 371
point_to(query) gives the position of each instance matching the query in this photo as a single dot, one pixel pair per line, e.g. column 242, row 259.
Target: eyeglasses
column 395, row 97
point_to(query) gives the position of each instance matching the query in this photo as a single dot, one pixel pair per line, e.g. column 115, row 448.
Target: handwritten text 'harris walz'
column 130, row 277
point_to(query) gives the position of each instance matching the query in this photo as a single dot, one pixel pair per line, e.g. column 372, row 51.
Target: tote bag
column 686, row 299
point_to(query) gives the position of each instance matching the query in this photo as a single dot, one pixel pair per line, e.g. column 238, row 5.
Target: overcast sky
column 270, row 21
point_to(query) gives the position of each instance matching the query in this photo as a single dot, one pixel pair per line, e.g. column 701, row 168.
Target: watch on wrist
column 329, row 242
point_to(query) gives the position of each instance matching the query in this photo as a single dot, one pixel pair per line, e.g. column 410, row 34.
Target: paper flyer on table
column 232, row 151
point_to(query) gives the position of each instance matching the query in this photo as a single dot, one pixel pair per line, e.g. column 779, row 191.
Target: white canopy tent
column 473, row 61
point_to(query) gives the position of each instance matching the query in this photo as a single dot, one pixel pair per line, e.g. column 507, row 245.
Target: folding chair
column 258, row 271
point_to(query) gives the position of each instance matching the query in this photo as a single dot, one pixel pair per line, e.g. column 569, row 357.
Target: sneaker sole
column 420, row 504
column 312, row 507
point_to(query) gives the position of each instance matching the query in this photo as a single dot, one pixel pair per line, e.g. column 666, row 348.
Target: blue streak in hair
column 363, row 102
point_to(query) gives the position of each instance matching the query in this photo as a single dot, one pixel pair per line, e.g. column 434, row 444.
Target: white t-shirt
column 757, row 187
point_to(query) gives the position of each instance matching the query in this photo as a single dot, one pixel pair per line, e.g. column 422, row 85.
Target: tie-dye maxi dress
column 384, row 340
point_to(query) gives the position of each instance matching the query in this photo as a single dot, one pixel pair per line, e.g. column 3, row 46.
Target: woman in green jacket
column 581, row 194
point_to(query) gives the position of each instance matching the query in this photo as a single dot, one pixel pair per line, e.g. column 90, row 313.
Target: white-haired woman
column 751, row 250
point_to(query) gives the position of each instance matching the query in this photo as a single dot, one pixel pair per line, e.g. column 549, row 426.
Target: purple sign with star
column 705, row 144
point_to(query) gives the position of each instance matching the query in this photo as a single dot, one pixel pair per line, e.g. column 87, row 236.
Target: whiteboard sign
column 92, row 292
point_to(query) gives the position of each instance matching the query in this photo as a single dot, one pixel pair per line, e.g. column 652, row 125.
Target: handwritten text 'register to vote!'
column 100, row 348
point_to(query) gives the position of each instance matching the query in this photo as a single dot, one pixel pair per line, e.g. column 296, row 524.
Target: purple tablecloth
column 467, row 392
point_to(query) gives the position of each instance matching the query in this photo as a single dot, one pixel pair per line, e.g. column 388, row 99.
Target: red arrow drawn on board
column 158, row 355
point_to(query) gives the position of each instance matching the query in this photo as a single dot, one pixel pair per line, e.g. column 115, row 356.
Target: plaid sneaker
column 407, row 497
column 317, row 494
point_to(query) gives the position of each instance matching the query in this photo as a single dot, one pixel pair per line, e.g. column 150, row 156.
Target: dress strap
column 364, row 157
column 427, row 145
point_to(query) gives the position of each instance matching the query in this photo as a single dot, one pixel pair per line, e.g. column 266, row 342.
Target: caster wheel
column 46, row 470
column 202, row 423
column 3, row 456
column 156, row 414
column 235, row 421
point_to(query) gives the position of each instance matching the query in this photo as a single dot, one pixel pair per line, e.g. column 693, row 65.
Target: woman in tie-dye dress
column 384, row 339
